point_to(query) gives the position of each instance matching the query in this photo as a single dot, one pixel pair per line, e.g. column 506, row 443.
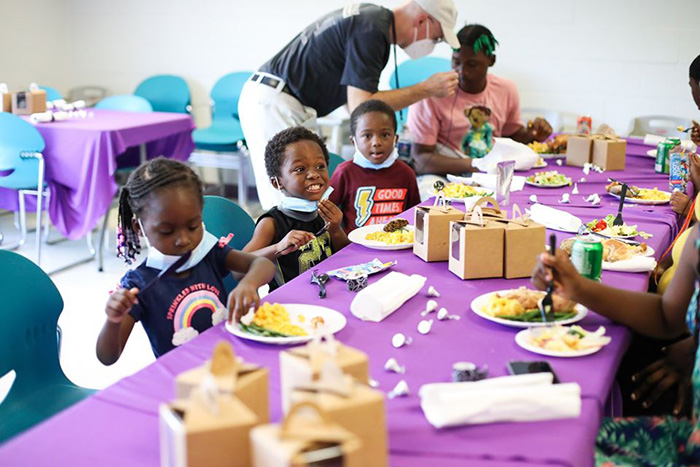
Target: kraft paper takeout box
column 302, row 365
column 355, row 407
column 28, row 102
column 609, row 152
column 206, row 431
column 477, row 244
column 578, row 150
column 247, row 382
column 285, row 445
column 524, row 241
column 6, row 104
column 432, row 230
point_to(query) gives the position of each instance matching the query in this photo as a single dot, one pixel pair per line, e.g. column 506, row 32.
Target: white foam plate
column 479, row 304
column 547, row 186
column 358, row 236
column 552, row 226
column 523, row 339
column 475, row 198
column 643, row 201
column 542, row 165
column 334, row 322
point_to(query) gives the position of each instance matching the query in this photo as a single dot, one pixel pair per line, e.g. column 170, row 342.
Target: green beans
column 534, row 316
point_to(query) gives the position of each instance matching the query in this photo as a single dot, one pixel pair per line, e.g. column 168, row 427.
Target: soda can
column 661, row 160
column 587, row 256
column 584, row 125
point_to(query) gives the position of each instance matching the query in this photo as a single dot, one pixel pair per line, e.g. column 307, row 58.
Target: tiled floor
column 84, row 291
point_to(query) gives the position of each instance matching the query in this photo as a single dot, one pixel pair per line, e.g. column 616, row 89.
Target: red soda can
column 584, row 125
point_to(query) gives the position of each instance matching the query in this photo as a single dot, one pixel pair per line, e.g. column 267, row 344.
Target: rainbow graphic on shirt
column 202, row 300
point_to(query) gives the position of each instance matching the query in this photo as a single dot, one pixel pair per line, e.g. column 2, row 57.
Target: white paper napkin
column 636, row 264
column 506, row 399
column 487, row 181
column 505, row 149
column 380, row 299
column 554, row 218
column 654, row 140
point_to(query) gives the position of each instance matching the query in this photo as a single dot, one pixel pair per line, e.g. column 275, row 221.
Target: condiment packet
column 359, row 270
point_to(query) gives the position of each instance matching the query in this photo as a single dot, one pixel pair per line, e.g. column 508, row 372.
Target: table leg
column 143, row 155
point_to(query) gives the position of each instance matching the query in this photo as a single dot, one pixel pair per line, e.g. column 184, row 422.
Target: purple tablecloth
column 121, row 421
column 82, row 156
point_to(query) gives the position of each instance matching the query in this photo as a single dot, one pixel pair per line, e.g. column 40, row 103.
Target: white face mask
column 158, row 260
column 363, row 162
column 300, row 204
column 418, row 49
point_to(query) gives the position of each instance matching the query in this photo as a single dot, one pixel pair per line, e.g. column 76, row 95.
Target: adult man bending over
column 438, row 124
column 337, row 60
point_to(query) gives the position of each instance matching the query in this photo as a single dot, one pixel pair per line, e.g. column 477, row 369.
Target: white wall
column 611, row 59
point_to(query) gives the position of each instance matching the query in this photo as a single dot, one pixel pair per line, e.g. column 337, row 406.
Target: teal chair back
column 226, row 93
column 166, row 93
column 51, row 93
column 334, row 162
column 30, row 308
column 414, row 71
column 16, row 138
column 222, row 216
column 125, row 103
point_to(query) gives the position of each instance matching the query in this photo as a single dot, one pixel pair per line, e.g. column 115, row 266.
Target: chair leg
column 222, row 184
column 47, row 223
column 242, row 184
column 101, row 241
column 22, row 220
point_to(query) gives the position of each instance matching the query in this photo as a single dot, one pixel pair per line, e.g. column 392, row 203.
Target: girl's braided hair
column 143, row 182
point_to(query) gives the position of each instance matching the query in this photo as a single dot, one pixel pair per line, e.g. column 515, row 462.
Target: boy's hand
column 566, row 277
column 539, row 130
column 330, row 213
column 244, row 296
column 695, row 134
column 294, row 240
column 119, row 304
column 679, row 202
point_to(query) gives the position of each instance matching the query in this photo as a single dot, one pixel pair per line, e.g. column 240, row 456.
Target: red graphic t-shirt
column 369, row 196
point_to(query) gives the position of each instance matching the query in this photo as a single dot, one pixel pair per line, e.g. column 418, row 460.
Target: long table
column 82, row 156
column 119, row 425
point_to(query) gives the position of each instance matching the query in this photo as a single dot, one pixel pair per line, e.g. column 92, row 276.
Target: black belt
column 270, row 81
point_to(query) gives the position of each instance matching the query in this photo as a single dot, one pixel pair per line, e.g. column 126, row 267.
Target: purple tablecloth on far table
column 82, row 156
column 121, row 421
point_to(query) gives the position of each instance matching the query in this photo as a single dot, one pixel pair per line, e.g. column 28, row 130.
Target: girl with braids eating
column 162, row 201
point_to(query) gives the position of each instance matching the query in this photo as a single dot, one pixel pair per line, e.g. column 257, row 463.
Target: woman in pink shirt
column 438, row 125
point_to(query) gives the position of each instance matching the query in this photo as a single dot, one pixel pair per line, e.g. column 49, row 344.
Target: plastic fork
column 547, row 304
column 168, row 271
column 618, row 219
column 317, row 234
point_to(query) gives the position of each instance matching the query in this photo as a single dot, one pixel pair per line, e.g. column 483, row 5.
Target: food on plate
column 634, row 192
column 549, row 178
column 557, row 145
column 540, row 162
column 396, row 224
column 605, row 227
column 272, row 320
column 317, row 322
column 567, row 339
column 401, row 236
column 613, row 250
column 460, row 190
column 522, row 304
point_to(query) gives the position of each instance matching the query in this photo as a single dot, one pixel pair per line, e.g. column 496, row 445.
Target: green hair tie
column 486, row 44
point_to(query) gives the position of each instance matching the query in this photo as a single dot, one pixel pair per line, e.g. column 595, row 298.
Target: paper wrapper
column 477, row 246
column 247, row 382
column 286, row 445
column 300, row 366
column 208, row 429
column 432, row 230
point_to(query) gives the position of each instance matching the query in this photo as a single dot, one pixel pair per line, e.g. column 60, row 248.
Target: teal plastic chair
column 222, row 144
column 51, row 93
column 222, row 216
column 166, row 93
column 413, row 72
column 334, row 162
column 29, row 346
column 22, row 169
column 125, row 103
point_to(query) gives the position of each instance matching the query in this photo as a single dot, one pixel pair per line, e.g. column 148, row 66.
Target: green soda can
column 661, row 161
column 587, row 256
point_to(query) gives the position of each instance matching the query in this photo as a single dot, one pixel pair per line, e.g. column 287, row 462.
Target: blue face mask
column 365, row 163
column 158, row 260
column 300, row 204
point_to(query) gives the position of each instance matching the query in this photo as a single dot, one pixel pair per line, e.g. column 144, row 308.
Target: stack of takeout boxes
column 607, row 151
column 487, row 244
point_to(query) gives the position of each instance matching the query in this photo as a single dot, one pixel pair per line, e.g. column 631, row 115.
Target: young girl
column 305, row 228
column 644, row 440
column 374, row 187
column 163, row 201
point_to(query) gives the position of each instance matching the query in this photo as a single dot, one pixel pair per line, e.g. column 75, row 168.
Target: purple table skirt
column 126, row 413
column 82, row 156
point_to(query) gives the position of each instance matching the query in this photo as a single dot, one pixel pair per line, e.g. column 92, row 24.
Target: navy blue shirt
column 348, row 47
column 177, row 309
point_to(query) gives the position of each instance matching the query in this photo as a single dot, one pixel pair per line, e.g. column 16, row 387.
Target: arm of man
column 429, row 161
column 438, row 85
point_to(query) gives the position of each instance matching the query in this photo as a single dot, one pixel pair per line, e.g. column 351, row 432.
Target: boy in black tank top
column 305, row 228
